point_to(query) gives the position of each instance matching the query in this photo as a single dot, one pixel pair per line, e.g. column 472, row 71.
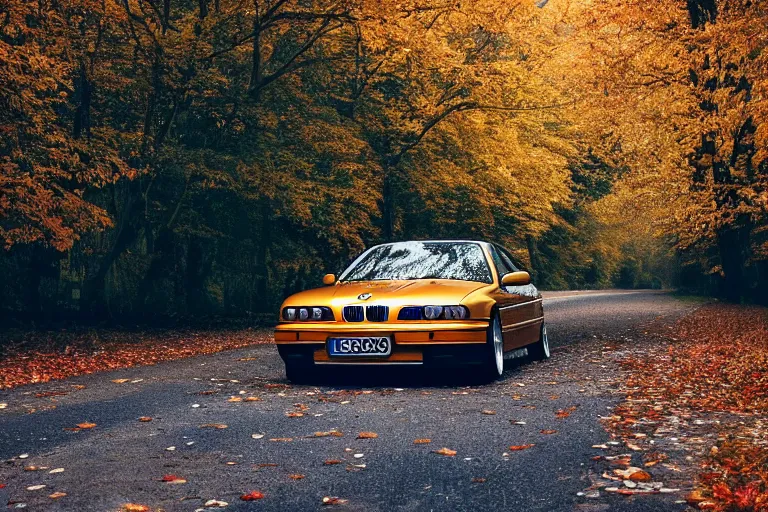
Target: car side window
column 501, row 266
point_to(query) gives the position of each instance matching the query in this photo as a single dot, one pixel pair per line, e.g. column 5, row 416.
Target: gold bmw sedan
column 439, row 304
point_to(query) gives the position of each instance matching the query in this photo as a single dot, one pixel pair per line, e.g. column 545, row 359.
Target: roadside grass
column 690, row 298
column 42, row 356
column 708, row 380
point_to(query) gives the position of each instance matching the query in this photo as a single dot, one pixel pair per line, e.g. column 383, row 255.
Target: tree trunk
column 262, row 259
column 388, row 207
column 82, row 122
column 93, row 289
column 533, row 256
column 730, row 244
column 256, row 65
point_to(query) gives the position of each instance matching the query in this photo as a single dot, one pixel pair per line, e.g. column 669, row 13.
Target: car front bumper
column 435, row 344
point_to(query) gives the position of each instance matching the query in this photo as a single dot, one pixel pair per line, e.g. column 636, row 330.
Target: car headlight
column 433, row 313
column 306, row 313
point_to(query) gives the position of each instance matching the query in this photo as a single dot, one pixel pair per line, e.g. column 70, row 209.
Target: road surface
column 266, row 447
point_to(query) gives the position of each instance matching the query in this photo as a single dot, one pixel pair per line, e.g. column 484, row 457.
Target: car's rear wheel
column 493, row 357
column 539, row 351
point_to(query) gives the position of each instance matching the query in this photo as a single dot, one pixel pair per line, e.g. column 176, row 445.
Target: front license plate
column 374, row 346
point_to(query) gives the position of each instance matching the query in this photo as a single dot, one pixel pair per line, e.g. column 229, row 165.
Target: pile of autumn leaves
column 52, row 356
column 716, row 362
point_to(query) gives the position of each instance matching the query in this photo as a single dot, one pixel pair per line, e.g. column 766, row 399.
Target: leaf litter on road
column 173, row 479
column 521, row 447
column 252, row 496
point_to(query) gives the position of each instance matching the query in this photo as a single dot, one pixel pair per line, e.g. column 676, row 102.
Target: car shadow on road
column 411, row 377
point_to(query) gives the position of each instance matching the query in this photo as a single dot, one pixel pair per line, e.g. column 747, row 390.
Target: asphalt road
column 122, row 460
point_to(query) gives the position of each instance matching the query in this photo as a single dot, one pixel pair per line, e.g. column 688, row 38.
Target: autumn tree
column 679, row 90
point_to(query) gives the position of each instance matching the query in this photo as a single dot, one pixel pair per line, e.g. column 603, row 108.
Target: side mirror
column 329, row 279
column 516, row 279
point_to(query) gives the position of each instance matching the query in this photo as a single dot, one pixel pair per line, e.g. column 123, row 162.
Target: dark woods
column 190, row 160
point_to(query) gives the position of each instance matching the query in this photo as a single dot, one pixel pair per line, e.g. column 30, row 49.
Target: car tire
column 299, row 373
column 493, row 352
column 539, row 351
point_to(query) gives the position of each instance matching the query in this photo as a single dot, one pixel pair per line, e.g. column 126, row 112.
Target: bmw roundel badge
column 364, row 296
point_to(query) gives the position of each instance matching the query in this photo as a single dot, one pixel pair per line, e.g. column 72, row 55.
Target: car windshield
column 463, row 261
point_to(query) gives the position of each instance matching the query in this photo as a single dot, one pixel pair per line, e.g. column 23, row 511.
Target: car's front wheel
column 300, row 373
column 493, row 357
column 539, row 351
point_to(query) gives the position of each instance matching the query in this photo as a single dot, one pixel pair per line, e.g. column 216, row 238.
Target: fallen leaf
column 235, row 399
column 252, row 496
column 257, row 436
column 36, row 487
column 145, row 419
column 86, row 425
column 214, row 425
column 422, row 441
column 445, row 451
column 489, row 412
column 282, row 439
column 134, row 507
column 367, row 435
column 120, row 381
column 173, row 479
column 330, row 433
column 477, row 480
column 520, row 447
column 695, row 497
column 332, row 500
column 294, row 414
column 252, row 399
column 57, row 470
column 548, row 432
column 170, row 449
column 215, row 504
column 640, row 476
column 331, row 462
column 57, row 495
column 295, row 476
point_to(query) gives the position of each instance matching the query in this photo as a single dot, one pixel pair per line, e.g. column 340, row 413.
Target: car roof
column 444, row 241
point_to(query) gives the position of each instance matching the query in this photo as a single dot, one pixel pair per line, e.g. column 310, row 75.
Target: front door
column 520, row 307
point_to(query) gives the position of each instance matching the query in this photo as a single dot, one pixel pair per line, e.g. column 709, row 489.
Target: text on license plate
column 373, row 346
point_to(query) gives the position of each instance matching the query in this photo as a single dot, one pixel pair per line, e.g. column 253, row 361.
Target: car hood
column 419, row 292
